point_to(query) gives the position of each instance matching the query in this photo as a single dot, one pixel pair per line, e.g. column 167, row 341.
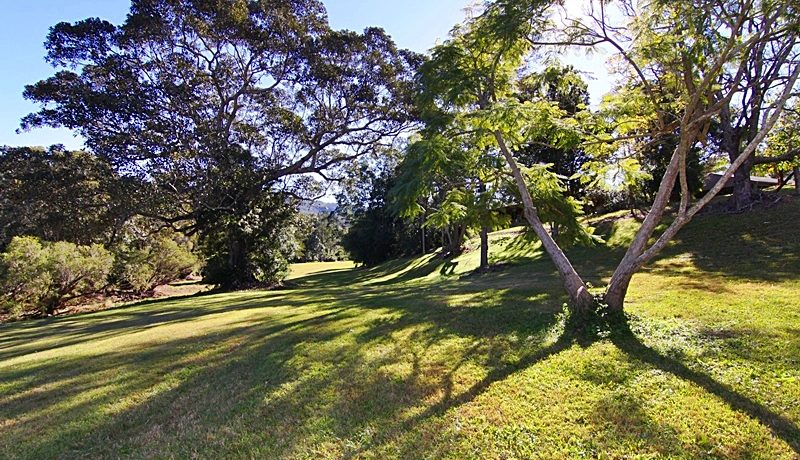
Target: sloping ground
column 420, row 359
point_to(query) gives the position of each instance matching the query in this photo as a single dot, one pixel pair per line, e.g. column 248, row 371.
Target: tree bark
column 422, row 229
column 742, row 187
column 581, row 300
column 797, row 180
column 237, row 262
column 484, row 235
column 484, row 248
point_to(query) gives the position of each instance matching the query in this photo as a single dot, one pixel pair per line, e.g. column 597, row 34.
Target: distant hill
column 317, row 207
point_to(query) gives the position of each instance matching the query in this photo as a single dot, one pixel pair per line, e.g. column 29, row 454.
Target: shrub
column 153, row 262
column 46, row 276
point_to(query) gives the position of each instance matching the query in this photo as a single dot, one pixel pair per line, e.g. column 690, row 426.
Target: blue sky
column 414, row 24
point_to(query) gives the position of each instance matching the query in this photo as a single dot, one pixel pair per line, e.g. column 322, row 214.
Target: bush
column 46, row 276
column 153, row 262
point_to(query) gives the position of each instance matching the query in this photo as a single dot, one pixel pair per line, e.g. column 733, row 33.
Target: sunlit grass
column 422, row 358
column 310, row 268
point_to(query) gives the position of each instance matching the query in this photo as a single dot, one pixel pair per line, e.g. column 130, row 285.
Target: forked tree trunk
column 617, row 288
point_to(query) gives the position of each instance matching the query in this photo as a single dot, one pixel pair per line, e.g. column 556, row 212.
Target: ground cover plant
column 422, row 358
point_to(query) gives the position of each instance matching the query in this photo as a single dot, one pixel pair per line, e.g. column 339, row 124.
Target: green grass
column 420, row 358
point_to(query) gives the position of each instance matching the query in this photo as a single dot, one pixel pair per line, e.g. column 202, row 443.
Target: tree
column 374, row 231
column 670, row 45
column 59, row 195
column 229, row 108
column 453, row 186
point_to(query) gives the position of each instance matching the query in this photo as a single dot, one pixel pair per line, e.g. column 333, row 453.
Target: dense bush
column 375, row 233
column 253, row 250
column 153, row 261
column 45, row 276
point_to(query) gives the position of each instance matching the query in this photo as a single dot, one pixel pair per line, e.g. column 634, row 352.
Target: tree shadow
column 240, row 372
column 355, row 367
column 626, row 340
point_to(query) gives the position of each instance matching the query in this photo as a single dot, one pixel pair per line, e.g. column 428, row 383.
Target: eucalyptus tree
column 669, row 47
column 230, row 107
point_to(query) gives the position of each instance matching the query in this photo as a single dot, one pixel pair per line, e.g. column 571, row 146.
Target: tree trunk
column 484, row 248
column 581, row 300
column 484, row 235
column 742, row 187
column 422, row 230
column 237, row 263
column 732, row 145
column 615, row 294
column 797, row 180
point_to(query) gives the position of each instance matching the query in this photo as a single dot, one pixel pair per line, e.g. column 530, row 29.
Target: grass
column 420, row 358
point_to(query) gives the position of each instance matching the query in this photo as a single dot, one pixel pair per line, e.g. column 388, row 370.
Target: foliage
column 782, row 146
column 564, row 86
column 628, row 159
column 318, row 238
column 152, row 260
column 451, row 185
column 323, row 244
column 59, row 195
column 255, row 247
column 375, row 233
column 471, row 92
column 221, row 105
column 45, row 276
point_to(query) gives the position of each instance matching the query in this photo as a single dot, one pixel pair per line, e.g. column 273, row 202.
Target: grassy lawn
column 419, row 358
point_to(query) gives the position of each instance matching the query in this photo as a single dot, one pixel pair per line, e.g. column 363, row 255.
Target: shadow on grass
column 235, row 378
column 582, row 333
column 756, row 245
column 274, row 381
column 623, row 337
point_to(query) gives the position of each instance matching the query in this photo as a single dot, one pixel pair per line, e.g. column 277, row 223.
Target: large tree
column 668, row 47
column 219, row 103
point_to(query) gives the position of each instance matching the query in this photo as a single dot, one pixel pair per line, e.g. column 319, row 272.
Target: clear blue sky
column 414, row 24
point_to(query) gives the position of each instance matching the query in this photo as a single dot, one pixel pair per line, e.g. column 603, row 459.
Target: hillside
column 422, row 358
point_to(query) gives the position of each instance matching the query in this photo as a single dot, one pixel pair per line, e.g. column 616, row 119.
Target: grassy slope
column 417, row 359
